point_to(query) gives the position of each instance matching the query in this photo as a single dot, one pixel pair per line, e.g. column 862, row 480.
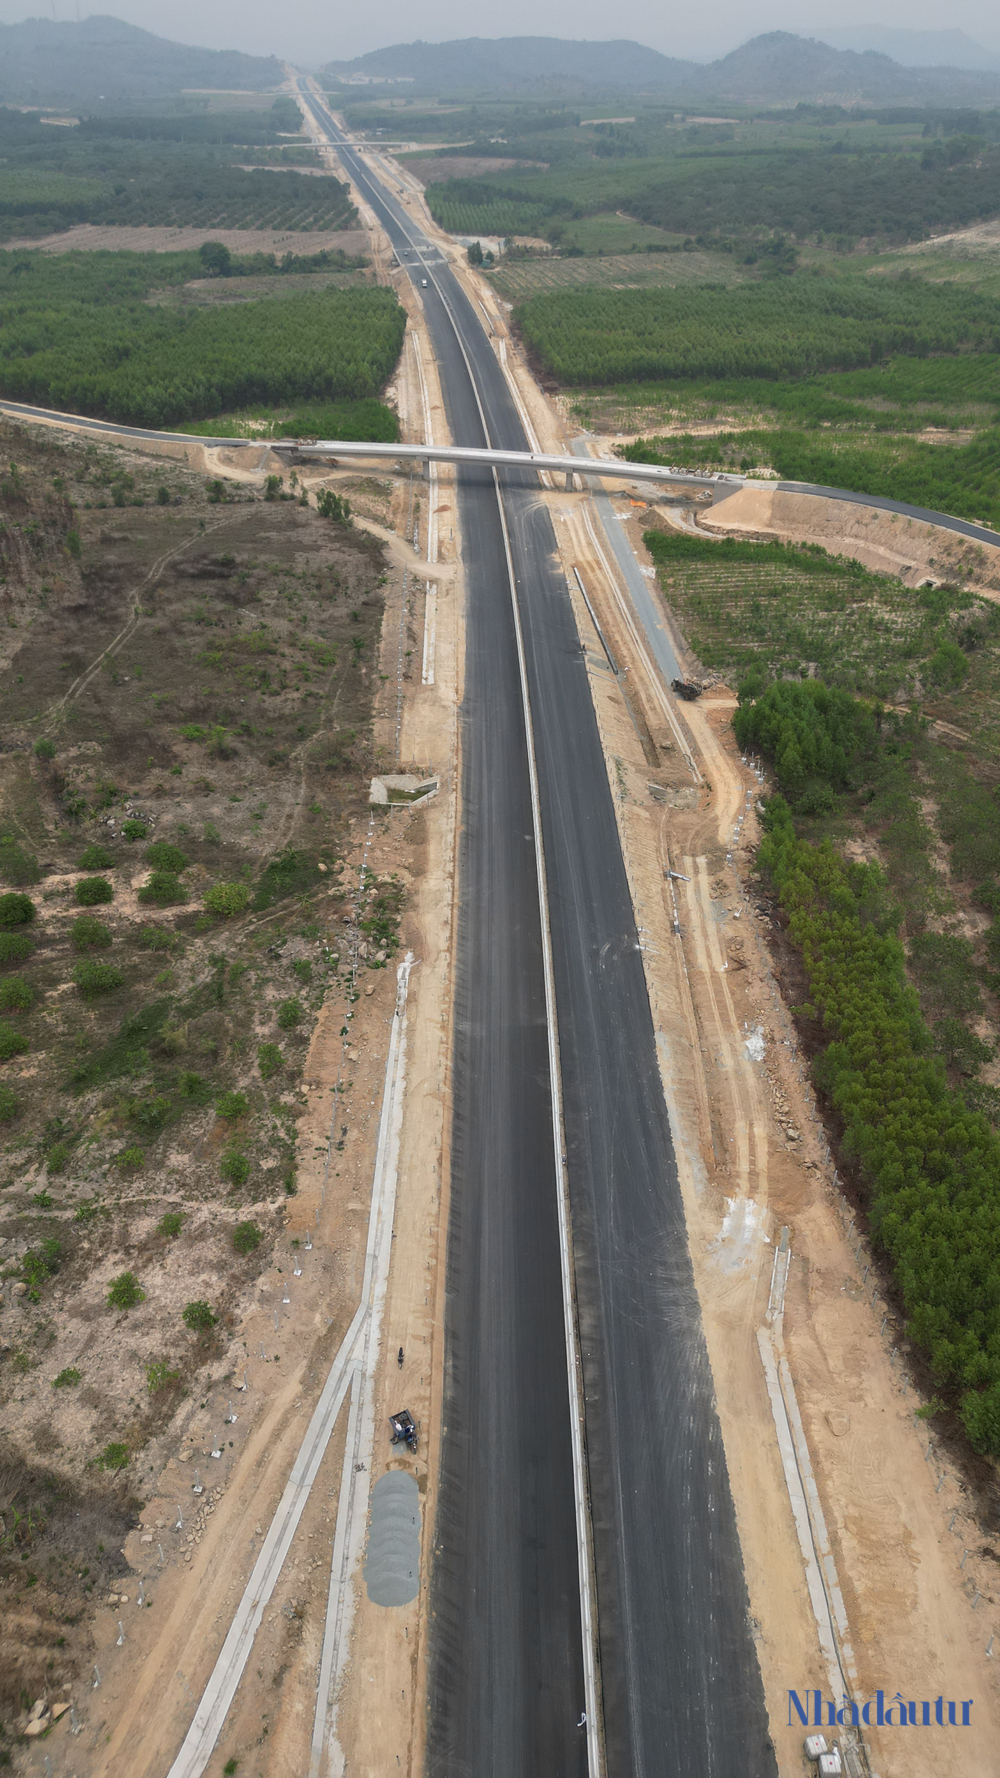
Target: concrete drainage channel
column 822, row 1579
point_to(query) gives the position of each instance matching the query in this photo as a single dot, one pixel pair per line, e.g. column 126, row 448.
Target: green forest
column 773, row 329
column 80, row 336
column 902, row 1092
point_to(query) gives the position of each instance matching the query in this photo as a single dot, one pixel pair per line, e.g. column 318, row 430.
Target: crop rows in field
column 519, row 279
column 500, row 217
column 868, row 636
column 203, row 197
column 773, row 329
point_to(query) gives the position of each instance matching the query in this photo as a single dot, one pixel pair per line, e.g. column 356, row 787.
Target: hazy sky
column 312, row 32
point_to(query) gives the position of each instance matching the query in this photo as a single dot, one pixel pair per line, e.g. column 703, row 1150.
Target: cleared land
column 151, row 1089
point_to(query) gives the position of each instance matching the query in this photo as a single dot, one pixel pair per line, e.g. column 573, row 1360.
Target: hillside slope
column 104, row 63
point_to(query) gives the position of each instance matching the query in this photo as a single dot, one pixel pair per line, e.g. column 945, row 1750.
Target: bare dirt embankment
column 887, row 542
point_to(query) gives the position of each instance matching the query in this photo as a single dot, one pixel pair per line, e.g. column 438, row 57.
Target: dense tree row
column 929, row 1164
column 767, row 330
column 95, row 347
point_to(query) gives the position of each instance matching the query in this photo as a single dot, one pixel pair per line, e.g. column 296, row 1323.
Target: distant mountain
column 778, row 68
column 104, row 64
column 515, row 64
column 914, row 49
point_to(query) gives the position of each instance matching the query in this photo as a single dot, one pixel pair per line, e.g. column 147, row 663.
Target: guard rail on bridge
column 719, row 485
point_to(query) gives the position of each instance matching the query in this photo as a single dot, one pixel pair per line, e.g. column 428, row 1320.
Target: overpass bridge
column 720, row 486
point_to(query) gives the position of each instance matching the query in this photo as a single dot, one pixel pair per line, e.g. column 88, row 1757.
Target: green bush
column 291, row 873
column 191, row 1086
column 57, row 1156
column 16, row 865
column 16, row 995
column 67, row 1379
column 227, row 899
column 130, row 1159
column 91, row 891
column 150, row 1111
column 88, row 933
column 15, row 947
column 11, row 1043
column 164, row 889
column 198, row 1317
column 96, row 858
column 16, row 910
column 97, row 978
column 290, row 1013
column 234, row 1166
column 171, row 1224
column 125, row 1292
column 114, row 1456
column 45, row 749
column 232, row 1105
column 269, row 1060
column 157, row 938
column 133, row 829
column 40, row 1264
column 246, row 1237
column 159, row 1375
column 10, row 1104
column 162, row 856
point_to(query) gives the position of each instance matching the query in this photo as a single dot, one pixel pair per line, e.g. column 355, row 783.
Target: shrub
column 269, row 1060
column 191, row 1086
column 16, row 865
column 125, row 1292
column 113, row 1456
column 246, row 1237
column 164, row 889
column 96, row 858
column 97, row 978
column 88, row 933
column 133, row 829
column 90, row 891
column 14, row 947
column 16, row 910
column 162, row 856
column 10, row 1104
column 40, row 1264
column 67, row 1379
column 16, row 995
column 199, row 1318
column 291, row 873
column 232, row 1105
column 11, row 1043
column 130, row 1159
column 159, row 1375
column 171, row 1224
column 157, row 938
column 290, row 1180
column 150, row 1112
column 234, row 1166
column 227, row 899
column 57, row 1156
column 290, row 1013
column 45, row 749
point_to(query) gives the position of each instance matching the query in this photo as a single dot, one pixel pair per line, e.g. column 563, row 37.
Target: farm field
column 516, row 280
column 799, row 611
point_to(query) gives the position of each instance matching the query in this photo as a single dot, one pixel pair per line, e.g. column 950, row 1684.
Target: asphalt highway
column 680, row 1684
